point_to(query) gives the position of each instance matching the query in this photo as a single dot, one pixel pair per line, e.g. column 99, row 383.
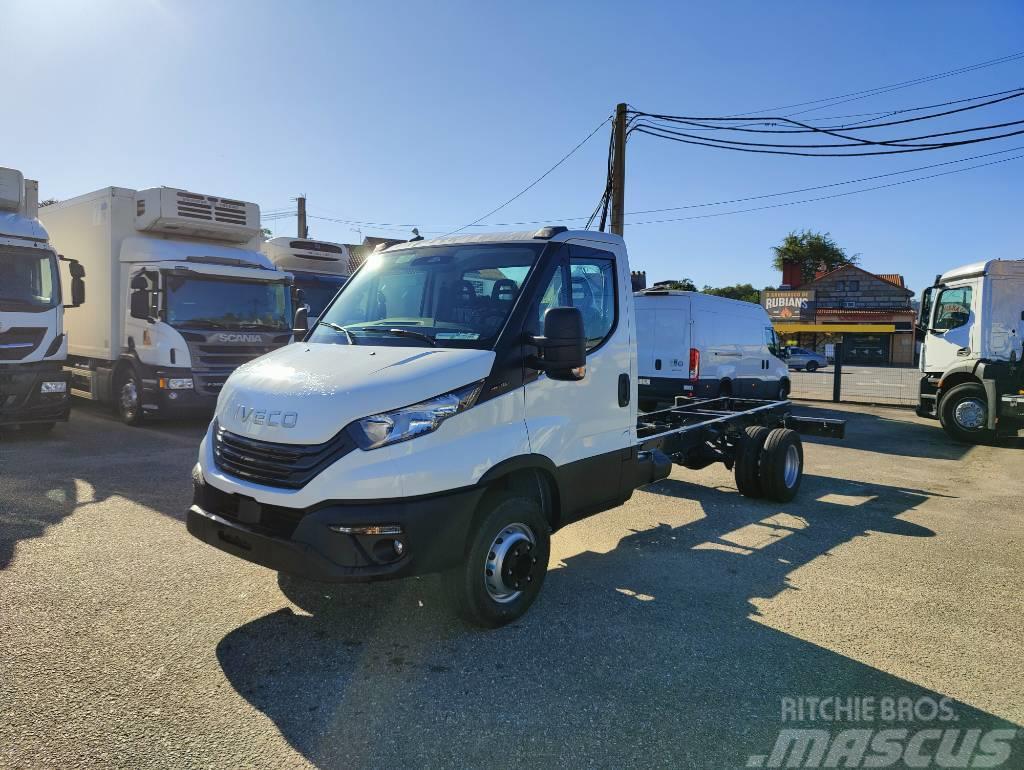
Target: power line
column 827, row 197
column 535, row 181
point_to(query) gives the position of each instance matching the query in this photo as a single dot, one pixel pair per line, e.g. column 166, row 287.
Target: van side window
column 592, row 284
column 953, row 308
column 771, row 340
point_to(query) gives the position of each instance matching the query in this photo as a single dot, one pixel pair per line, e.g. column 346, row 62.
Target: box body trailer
column 972, row 328
column 319, row 268
column 180, row 296
column 459, row 400
column 33, row 339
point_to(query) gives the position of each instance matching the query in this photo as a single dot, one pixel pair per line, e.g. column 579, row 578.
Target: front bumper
column 433, row 533
column 1012, row 408
column 163, row 402
column 20, row 400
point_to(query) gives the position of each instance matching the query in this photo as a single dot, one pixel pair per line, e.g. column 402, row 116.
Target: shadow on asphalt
column 88, row 460
column 649, row 654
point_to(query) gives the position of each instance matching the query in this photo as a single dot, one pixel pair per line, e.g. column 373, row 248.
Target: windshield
column 450, row 296
column 29, row 281
column 318, row 290
column 225, row 303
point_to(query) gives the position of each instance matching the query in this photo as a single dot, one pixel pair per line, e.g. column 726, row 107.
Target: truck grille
column 19, row 341
column 290, row 466
column 212, row 364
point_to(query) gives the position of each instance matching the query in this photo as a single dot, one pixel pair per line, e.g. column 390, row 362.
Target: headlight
column 176, row 383
column 411, row 421
column 54, row 387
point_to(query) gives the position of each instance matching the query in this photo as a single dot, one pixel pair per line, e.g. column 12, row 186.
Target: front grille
column 19, row 341
column 290, row 466
column 212, row 364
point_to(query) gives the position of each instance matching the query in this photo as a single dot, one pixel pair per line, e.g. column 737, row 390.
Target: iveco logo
column 246, row 414
column 238, row 337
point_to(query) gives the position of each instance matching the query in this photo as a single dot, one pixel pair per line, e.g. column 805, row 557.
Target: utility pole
column 303, row 229
column 619, row 170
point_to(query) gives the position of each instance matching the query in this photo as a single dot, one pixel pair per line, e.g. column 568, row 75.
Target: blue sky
column 434, row 113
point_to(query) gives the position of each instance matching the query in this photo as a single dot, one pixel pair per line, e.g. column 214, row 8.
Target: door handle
column 657, row 363
column 963, row 352
column 623, row 389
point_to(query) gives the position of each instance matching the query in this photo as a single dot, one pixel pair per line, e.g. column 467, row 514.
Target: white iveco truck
column 320, row 268
column 33, row 343
column 972, row 321
column 180, row 295
column 458, row 401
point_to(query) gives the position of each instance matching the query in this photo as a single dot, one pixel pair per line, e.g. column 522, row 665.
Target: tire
column 511, row 535
column 812, row 366
column 782, row 465
column 725, row 389
column 748, row 459
column 128, row 398
column 37, row 428
column 963, row 413
column 783, row 392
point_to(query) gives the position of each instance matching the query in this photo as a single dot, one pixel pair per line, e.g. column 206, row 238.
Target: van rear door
column 663, row 335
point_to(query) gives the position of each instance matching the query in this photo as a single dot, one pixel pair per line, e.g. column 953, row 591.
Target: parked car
column 704, row 346
column 808, row 360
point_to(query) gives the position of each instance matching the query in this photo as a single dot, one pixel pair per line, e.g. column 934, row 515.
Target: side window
column 771, row 340
column 593, row 291
column 953, row 308
column 554, row 295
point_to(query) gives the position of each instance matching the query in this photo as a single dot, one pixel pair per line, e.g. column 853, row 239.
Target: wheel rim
column 129, row 399
column 511, row 563
column 792, row 470
column 970, row 414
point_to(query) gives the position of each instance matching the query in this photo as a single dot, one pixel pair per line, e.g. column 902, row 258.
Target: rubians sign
column 789, row 305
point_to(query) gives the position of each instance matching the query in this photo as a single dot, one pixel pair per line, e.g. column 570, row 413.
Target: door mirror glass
column 301, row 323
column 77, row 291
column 140, row 303
column 139, row 283
column 563, row 348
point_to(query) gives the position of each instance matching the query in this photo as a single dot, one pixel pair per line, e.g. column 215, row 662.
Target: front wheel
column 128, row 398
column 505, row 564
column 812, row 366
column 963, row 413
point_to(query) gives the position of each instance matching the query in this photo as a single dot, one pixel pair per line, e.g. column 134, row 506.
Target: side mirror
column 301, row 323
column 77, row 290
column 139, row 283
column 140, row 303
column 563, row 348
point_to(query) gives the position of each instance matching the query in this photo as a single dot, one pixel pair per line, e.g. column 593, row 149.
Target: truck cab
column 459, row 400
column 972, row 328
column 319, row 269
column 182, row 294
column 33, row 341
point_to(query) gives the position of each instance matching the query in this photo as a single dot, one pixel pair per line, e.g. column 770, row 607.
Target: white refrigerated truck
column 972, row 322
column 180, row 296
column 456, row 403
column 320, row 268
column 33, row 342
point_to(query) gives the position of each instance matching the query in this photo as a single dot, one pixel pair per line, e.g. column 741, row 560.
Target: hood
column 316, row 389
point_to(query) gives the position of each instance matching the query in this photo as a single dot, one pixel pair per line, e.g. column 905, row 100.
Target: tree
column 267, row 233
column 813, row 252
column 682, row 284
column 744, row 292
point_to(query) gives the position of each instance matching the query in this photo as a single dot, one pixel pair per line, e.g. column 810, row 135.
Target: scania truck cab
column 458, row 401
column 972, row 323
column 180, row 297
column 319, row 268
column 33, row 342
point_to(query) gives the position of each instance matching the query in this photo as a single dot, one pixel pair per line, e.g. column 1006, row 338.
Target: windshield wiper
column 410, row 333
column 351, row 337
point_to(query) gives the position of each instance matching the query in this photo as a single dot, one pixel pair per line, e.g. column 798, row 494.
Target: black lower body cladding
column 314, row 543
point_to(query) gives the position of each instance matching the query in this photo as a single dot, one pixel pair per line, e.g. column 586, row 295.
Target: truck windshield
column 318, row 290
column 225, row 303
column 448, row 296
column 29, row 282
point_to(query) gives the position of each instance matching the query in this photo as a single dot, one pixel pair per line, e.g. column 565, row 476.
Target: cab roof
column 553, row 233
column 988, row 267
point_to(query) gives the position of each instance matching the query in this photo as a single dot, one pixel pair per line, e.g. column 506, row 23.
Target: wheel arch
column 532, row 476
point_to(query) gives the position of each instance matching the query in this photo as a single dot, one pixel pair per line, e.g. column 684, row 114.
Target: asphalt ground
column 668, row 632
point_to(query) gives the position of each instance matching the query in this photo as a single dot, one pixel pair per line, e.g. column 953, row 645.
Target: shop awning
column 784, row 328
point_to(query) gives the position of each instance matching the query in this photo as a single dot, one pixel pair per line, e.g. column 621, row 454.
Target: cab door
column 586, row 427
column 948, row 338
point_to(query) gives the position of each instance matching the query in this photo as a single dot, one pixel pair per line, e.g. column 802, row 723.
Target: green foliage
column 813, row 252
column 267, row 233
column 744, row 292
column 681, row 284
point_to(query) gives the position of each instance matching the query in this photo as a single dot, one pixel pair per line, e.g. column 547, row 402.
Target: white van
column 705, row 346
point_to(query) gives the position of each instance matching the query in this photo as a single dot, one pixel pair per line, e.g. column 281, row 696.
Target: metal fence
column 856, row 383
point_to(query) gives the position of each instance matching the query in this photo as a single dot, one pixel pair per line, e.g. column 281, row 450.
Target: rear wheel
column 748, row 459
column 812, row 366
column 506, row 562
column 963, row 413
column 128, row 397
column 782, row 465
